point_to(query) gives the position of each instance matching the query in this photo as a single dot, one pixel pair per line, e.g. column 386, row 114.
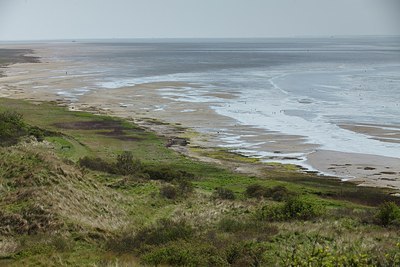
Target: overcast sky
column 76, row 19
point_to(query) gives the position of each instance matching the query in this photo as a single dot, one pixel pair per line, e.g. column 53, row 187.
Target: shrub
column 127, row 165
column 255, row 190
column 163, row 232
column 185, row 253
column 230, row 225
column 224, row 193
column 169, row 191
column 38, row 133
column 96, row 164
column 245, row 229
column 12, row 128
column 293, row 208
column 277, row 193
column 388, row 213
column 124, row 243
column 167, row 173
column 185, row 187
column 245, row 254
column 181, row 189
column 172, row 256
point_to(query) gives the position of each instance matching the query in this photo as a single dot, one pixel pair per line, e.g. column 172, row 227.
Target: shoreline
column 151, row 101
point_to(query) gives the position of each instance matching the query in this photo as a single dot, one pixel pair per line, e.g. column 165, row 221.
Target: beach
column 276, row 128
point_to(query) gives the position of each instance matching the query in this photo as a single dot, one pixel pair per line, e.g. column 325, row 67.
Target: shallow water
column 301, row 87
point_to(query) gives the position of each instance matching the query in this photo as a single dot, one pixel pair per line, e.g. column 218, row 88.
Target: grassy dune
column 164, row 208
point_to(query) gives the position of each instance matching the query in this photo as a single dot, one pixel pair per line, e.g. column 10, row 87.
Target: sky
column 98, row 19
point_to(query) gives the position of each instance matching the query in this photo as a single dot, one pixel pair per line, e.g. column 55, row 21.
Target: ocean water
column 304, row 87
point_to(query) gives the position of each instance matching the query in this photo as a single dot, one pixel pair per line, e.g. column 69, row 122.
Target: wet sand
column 365, row 170
column 38, row 82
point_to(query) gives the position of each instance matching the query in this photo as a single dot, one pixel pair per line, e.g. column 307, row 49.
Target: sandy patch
column 384, row 133
column 365, row 170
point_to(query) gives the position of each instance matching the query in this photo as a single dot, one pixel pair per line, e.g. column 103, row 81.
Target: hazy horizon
column 30, row 20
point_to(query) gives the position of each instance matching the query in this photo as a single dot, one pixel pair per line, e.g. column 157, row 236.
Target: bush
column 172, row 255
column 245, row 254
column 224, row 193
column 230, row 225
column 244, row 229
column 277, row 193
column 181, row 189
column 124, row 243
column 124, row 165
column 169, row 191
column 38, row 133
column 96, row 164
column 127, row 165
column 163, row 232
column 293, row 208
column 12, row 128
column 167, row 173
column 185, row 253
column 388, row 213
column 185, row 187
column 255, row 190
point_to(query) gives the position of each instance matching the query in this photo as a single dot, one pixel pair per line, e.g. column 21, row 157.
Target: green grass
column 95, row 207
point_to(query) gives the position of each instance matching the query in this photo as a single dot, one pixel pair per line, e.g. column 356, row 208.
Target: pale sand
column 365, row 170
column 384, row 133
column 38, row 82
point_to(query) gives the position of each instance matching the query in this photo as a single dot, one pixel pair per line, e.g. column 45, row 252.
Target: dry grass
column 58, row 189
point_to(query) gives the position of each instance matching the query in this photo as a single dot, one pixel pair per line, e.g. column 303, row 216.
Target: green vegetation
column 388, row 213
column 224, row 193
column 78, row 189
column 293, row 209
column 13, row 129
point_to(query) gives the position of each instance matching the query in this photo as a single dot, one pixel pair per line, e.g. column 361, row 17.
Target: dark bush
column 182, row 188
column 245, row 254
column 162, row 232
column 172, row 255
column 185, row 187
column 167, row 173
column 230, row 225
column 224, row 193
column 127, row 165
column 96, row 164
column 255, row 190
column 388, row 213
column 185, row 253
column 38, row 133
column 125, row 243
column 169, row 191
column 293, row 208
column 296, row 208
column 246, row 229
column 12, row 128
column 277, row 193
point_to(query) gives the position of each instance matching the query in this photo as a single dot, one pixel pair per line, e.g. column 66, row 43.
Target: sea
column 307, row 87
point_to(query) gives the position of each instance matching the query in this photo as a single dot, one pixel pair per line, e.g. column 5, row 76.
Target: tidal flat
column 89, row 188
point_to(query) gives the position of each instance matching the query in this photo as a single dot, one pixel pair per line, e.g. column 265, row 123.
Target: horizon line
column 196, row 38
